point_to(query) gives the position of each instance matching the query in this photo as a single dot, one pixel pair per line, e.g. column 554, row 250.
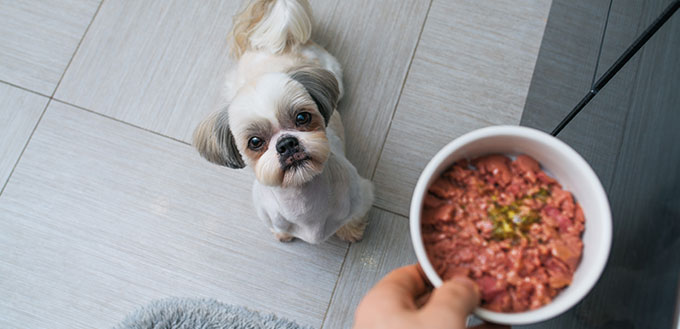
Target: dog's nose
column 287, row 144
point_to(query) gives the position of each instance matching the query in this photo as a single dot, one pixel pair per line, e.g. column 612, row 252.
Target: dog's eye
column 255, row 143
column 302, row 118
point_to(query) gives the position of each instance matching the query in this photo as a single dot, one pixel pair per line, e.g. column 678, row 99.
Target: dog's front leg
column 283, row 236
column 278, row 226
column 281, row 228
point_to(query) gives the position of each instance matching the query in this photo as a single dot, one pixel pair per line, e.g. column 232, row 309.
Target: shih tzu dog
column 282, row 122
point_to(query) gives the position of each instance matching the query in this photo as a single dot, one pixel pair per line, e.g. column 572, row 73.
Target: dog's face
column 276, row 125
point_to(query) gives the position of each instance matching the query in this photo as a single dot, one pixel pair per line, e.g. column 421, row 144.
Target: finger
column 422, row 299
column 408, row 280
column 398, row 289
column 428, row 284
column 453, row 300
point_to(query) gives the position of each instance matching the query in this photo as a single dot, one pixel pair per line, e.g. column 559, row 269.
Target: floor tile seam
column 24, row 88
column 335, row 286
column 123, row 122
column 401, row 90
column 30, row 137
column 75, row 52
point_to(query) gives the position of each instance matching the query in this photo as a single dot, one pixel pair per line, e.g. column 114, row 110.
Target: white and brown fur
column 305, row 187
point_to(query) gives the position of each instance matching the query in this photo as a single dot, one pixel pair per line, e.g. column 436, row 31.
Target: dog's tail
column 276, row 26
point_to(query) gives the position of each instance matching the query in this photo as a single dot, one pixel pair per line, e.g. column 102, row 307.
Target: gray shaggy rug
column 182, row 313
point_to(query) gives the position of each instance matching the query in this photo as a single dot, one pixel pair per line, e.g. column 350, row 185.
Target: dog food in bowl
column 507, row 225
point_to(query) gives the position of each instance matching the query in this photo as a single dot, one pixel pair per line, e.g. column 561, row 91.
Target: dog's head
column 276, row 125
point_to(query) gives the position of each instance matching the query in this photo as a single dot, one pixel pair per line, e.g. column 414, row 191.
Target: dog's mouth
column 299, row 168
column 296, row 160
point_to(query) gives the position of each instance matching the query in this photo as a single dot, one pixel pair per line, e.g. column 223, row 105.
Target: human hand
column 404, row 300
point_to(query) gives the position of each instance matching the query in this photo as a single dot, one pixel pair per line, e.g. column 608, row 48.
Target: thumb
column 453, row 301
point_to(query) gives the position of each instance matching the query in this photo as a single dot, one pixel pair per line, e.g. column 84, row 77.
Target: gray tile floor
column 105, row 206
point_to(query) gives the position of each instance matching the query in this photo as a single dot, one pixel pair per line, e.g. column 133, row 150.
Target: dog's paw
column 284, row 237
column 353, row 231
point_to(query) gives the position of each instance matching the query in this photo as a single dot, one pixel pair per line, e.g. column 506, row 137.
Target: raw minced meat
column 507, row 225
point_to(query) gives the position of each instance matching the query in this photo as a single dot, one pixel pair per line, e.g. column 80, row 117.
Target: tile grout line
column 75, row 52
column 49, row 101
column 621, row 141
column 342, row 266
column 625, row 121
column 335, row 286
column 599, row 51
column 123, row 122
column 16, row 163
column 24, row 88
column 401, row 91
column 390, row 211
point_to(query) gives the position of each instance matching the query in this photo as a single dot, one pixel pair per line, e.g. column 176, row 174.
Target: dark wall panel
column 566, row 62
column 630, row 134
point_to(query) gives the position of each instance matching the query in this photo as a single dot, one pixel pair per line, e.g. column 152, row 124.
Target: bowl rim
column 540, row 314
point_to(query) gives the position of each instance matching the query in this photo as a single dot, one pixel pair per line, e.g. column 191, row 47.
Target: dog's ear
column 214, row 141
column 321, row 85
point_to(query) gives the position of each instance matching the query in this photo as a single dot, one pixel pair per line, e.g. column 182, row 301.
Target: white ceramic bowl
column 570, row 170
